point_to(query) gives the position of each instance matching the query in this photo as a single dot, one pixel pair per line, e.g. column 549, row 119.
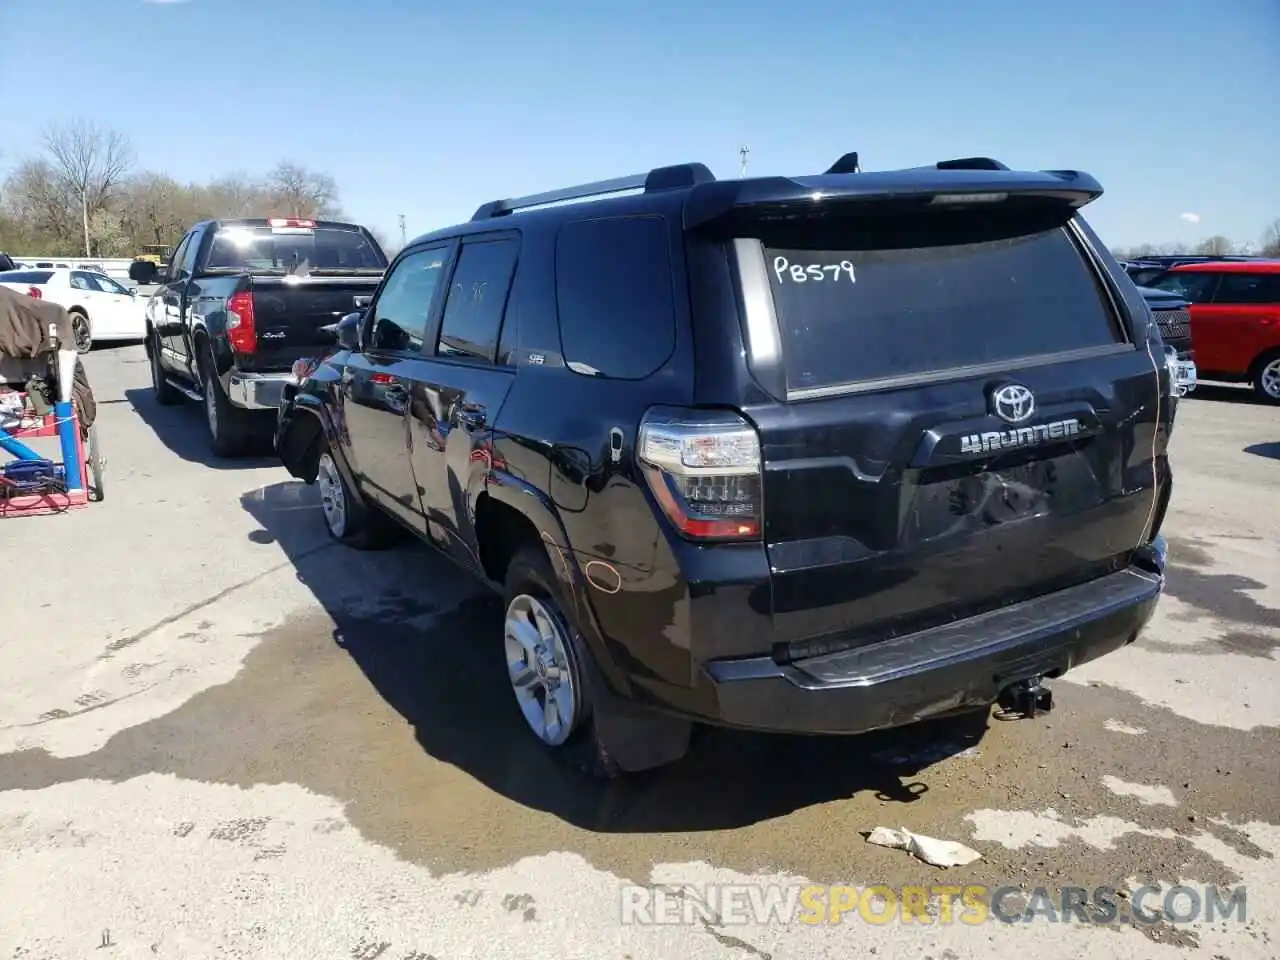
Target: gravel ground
column 223, row 736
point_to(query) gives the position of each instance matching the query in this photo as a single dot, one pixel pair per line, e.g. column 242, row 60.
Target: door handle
column 473, row 419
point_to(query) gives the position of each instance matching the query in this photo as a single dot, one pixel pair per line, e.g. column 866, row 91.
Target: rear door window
column 1248, row 288
column 84, row 281
column 904, row 298
column 478, row 299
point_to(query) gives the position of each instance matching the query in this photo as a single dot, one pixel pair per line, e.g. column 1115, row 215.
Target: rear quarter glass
column 914, row 299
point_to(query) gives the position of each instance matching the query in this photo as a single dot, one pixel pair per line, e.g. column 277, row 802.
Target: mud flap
column 633, row 737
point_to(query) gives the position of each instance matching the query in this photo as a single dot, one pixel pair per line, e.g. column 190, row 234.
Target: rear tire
column 230, row 432
column 537, row 626
column 348, row 520
column 82, row 332
column 1266, row 377
column 607, row 735
column 166, row 394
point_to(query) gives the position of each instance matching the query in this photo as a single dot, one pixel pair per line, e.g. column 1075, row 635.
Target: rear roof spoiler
column 709, row 199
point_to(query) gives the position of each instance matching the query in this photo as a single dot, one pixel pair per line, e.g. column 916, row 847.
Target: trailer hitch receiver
column 1024, row 699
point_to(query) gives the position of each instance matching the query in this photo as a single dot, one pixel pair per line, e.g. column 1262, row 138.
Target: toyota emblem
column 1013, row 403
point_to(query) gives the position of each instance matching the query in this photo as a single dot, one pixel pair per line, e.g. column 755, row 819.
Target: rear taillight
column 704, row 470
column 241, row 331
column 35, row 293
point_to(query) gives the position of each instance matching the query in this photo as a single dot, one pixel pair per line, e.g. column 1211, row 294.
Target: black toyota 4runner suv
column 817, row 454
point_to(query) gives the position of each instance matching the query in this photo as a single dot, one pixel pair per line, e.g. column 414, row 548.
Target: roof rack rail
column 971, row 163
column 846, row 164
column 659, row 178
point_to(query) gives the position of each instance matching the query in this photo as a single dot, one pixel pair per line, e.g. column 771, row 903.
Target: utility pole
column 744, row 152
column 404, row 240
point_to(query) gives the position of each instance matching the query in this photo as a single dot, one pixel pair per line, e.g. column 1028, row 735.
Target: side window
column 478, row 298
column 82, row 281
column 176, row 260
column 1196, row 286
column 614, row 296
column 188, row 261
column 1248, row 288
column 402, row 311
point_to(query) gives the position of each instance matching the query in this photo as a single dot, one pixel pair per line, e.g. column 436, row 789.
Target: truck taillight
column 704, row 470
column 35, row 293
column 241, row 332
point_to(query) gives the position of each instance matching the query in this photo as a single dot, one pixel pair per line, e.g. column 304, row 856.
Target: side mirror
column 143, row 271
column 133, row 291
column 349, row 329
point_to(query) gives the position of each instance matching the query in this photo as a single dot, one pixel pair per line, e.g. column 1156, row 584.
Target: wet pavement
column 225, row 736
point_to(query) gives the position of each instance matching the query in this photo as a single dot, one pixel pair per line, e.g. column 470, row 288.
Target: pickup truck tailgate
column 289, row 313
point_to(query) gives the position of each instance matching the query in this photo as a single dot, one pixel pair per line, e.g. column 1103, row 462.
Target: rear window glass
column 268, row 250
column 899, row 299
column 26, row 276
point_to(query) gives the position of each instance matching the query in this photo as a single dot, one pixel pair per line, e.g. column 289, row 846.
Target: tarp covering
column 25, row 324
column 25, row 341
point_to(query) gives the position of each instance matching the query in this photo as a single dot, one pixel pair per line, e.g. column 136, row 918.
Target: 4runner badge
column 994, row 441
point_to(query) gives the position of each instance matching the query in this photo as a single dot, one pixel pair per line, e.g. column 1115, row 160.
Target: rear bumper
column 938, row 671
column 258, row 391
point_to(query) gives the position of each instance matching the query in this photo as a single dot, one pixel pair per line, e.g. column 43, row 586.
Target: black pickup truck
column 239, row 302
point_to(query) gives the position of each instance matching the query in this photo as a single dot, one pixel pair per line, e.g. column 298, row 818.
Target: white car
column 101, row 309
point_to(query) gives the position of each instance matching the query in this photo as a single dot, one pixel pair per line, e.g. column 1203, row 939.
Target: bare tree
column 42, row 208
column 1215, row 246
column 91, row 162
column 1271, row 239
column 298, row 192
column 36, row 196
column 234, row 195
column 155, row 209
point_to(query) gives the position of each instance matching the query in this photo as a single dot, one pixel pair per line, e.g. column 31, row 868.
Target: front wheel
column 347, row 519
column 1266, row 379
column 81, row 331
column 166, row 393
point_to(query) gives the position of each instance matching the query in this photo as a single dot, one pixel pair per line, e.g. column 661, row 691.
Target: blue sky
column 429, row 109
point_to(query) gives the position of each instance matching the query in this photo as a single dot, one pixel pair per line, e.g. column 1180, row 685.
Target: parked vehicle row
column 1234, row 311
column 816, row 454
column 1146, row 269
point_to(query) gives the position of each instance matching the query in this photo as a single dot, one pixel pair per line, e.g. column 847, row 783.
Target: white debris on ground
column 936, row 853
